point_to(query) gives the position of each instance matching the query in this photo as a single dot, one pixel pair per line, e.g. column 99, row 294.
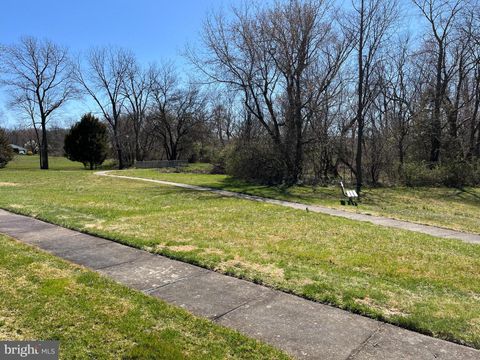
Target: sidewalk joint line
column 155, row 288
column 121, row 263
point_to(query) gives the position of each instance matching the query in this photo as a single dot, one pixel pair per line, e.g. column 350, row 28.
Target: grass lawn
column 457, row 209
column 43, row 297
column 420, row 282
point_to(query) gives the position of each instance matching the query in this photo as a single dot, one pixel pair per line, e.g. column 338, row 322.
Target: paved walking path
column 302, row 328
column 377, row 220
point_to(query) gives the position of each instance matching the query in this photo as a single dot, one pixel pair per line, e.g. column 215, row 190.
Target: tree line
column 290, row 92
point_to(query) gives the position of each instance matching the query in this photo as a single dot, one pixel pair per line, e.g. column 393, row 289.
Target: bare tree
column 401, row 88
column 222, row 118
column 441, row 16
column 39, row 77
column 281, row 59
column 103, row 79
column 471, row 32
column 176, row 110
column 137, row 88
column 371, row 22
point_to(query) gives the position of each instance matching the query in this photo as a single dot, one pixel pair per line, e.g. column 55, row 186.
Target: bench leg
column 352, row 202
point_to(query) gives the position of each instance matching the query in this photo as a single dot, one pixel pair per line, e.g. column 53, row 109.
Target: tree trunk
column 138, row 155
column 473, row 129
column 401, row 155
column 174, row 152
column 360, row 119
column 477, row 147
column 121, row 165
column 474, row 126
column 44, row 148
column 436, row 125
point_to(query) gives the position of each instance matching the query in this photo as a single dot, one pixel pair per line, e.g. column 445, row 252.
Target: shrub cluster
column 453, row 174
column 254, row 161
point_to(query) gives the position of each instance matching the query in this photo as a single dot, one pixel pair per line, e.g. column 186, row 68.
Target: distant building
column 18, row 149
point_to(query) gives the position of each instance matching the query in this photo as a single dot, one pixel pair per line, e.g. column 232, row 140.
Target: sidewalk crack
column 216, row 318
column 362, row 345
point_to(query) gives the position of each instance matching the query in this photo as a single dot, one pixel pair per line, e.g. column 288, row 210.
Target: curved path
column 302, row 328
column 377, row 220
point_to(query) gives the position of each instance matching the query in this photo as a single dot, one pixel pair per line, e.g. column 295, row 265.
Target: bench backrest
column 348, row 193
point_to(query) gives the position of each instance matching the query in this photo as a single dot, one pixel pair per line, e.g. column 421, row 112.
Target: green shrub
column 6, row 152
column 219, row 161
column 454, row 174
column 475, row 173
column 254, row 161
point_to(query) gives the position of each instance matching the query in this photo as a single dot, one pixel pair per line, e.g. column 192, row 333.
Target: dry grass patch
column 389, row 312
column 8, row 184
column 269, row 270
column 179, row 248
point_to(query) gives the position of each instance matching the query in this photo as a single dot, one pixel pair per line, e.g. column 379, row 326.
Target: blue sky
column 155, row 30
column 151, row 28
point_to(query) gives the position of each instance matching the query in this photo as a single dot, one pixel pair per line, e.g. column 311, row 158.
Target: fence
column 153, row 164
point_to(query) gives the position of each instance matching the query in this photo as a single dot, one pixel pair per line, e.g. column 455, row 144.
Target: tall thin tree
column 370, row 24
column 441, row 16
column 103, row 79
column 39, row 77
column 137, row 89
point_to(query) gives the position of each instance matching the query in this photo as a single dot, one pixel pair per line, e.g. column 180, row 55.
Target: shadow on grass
column 301, row 194
column 473, row 194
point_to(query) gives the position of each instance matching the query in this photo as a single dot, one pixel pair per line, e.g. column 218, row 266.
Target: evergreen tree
column 6, row 152
column 86, row 142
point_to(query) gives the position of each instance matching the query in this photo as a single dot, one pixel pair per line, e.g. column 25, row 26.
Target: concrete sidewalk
column 300, row 327
column 377, row 220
